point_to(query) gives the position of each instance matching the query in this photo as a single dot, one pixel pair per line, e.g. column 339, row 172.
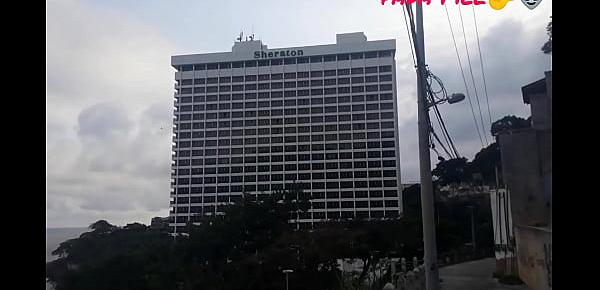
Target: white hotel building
column 256, row 120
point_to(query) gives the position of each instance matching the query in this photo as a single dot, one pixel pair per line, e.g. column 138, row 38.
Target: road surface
column 476, row 275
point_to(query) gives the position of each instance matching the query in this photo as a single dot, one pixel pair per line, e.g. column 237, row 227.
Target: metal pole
column 473, row 230
column 287, row 284
column 500, row 219
column 431, row 269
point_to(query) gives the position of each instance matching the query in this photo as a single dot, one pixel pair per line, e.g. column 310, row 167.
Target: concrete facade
column 535, row 256
column 259, row 119
column 527, row 170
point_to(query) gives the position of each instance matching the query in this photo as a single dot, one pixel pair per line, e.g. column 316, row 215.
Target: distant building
column 159, row 223
column 256, row 119
column 527, row 171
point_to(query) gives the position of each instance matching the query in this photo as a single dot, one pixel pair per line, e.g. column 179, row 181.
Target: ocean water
column 55, row 236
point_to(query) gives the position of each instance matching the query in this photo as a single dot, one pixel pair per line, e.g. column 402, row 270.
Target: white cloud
column 109, row 86
column 109, row 83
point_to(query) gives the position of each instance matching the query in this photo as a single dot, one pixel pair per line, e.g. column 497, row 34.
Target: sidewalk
column 475, row 275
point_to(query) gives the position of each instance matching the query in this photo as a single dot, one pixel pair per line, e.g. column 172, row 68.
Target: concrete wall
column 534, row 254
column 527, row 170
column 541, row 112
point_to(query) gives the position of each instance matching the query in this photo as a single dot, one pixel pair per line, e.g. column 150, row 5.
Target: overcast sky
column 110, row 83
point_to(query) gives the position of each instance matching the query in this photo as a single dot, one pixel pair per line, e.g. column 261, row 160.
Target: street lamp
column 452, row 99
column 455, row 98
column 287, row 272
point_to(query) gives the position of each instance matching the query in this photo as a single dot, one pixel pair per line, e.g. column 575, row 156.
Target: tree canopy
column 246, row 248
column 509, row 123
column 482, row 169
column 547, row 48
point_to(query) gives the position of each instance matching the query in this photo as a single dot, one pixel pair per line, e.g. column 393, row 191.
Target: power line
column 463, row 76
column 481, row 62
column 409, row 37
column 441, row 144
column 445, row 131
column 438, row 118
column 472, row 77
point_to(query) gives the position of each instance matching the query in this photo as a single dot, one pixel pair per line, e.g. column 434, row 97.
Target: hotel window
column 302, row 60
column 358, row 55
column 371, row 69
column 342, row 72
column 385, row 53
column 343, row 57
column 371, row 54
column 385, row 68
column 357, row 70
column 315, row 59
column 386, row 96
column 385, row 78
column 387, row 87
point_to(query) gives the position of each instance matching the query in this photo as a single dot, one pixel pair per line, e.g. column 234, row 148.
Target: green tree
column 246, row 248
column 450, row 171
column 547, row 48
column 485, row 163
column 509, row 123
column 102, row 226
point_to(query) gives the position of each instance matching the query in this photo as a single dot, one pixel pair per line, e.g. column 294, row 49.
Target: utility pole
column 427, row 207
column 287, row 282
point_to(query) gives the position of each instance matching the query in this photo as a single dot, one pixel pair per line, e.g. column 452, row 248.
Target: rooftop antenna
column 252, row 36
column 241, row 36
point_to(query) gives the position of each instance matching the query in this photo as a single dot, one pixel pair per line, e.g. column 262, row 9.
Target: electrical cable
column 463, row 77
column 472, row 76
column 481, row 62
column 409, row 37
column 441, row 144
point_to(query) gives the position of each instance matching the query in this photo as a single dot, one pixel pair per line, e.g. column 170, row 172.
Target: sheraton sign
column 279, row 53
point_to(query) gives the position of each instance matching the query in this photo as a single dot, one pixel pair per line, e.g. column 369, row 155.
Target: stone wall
column 534, row 253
